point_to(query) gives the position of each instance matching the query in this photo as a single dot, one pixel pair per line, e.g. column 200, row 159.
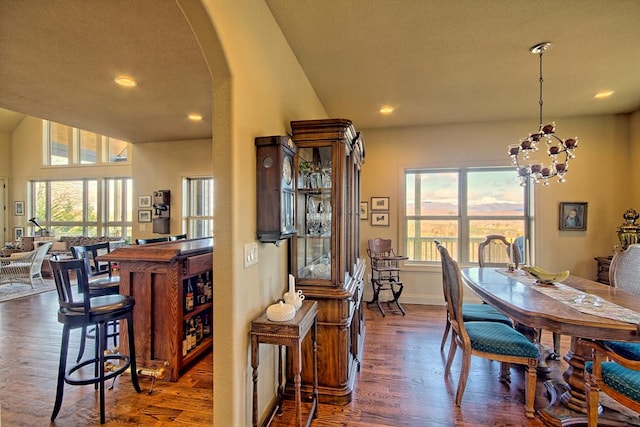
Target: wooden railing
column 424, row 249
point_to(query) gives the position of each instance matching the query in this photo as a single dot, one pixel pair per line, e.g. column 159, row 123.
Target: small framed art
column 144, row 201
column 144, row 215
column 18, row 232
column 379, row 204
column 380, row 219
column 364, row 210
column 573, row 216
column 18, row 208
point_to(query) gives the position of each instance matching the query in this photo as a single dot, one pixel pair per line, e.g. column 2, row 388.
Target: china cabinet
column 325, row 252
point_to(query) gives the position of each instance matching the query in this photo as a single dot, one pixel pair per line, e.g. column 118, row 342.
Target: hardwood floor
column 400, row 384
column 29, row 350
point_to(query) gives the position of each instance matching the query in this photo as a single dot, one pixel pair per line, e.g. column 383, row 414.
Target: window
column 199, row 207
column 65, row 145
column 459, row 207
column 66, row 208
column 75, row 208
column 118, row 207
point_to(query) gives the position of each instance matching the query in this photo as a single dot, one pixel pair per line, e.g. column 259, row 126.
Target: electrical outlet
column 250, row 254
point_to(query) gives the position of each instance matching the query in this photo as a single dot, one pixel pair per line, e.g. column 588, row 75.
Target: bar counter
column 170, row 333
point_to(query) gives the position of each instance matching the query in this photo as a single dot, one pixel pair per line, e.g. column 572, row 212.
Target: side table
column 603, row 269
column 290, row 333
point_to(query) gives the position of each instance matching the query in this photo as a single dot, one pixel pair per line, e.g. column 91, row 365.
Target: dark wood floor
column 401, row 381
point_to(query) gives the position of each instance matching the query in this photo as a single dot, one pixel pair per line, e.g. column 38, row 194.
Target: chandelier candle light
column 559, row 152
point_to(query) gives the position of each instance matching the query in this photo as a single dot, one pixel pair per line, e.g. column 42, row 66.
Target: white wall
column 259, row 88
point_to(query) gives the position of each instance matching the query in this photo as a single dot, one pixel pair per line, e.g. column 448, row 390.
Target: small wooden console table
column 290, row 333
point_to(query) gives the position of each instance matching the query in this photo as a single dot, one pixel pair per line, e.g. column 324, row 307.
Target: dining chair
column 489, row 340
column 624, row 270
column 615, row 365
column 614, row 370
column 497, row 250
column 473, row 312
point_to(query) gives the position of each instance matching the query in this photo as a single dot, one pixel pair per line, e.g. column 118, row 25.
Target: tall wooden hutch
column 325, row 252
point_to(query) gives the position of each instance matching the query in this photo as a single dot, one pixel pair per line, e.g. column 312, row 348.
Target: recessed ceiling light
column 125, row 81
column 195, row 117
column 386, row 110
column 604, row 94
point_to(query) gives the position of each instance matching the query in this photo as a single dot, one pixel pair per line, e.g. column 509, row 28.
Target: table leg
column 297, row 379
column 280, row 402
column 254, row 365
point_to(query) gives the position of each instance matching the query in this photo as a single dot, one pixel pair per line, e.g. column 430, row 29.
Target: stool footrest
column 108, row 373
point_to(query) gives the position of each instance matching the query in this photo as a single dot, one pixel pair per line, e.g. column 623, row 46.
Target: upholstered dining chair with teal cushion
column 489, row 340
column 474, row 313
column 615, row 370
column 477, row 313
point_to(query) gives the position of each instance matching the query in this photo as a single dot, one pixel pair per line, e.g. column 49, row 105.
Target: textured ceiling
column 434, row 61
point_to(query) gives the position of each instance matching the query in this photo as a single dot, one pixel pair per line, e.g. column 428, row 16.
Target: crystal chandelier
column 528, row 155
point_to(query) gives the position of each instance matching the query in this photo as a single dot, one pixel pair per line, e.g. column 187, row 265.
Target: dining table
column 580, row 308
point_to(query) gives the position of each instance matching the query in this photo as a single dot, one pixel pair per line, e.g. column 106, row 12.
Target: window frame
column 75, row 148
column 101, row 225
column 188, row 217
column 462, row 217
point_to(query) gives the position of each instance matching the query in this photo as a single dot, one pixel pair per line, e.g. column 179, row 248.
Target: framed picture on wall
column 573, row 216
column 144, row 201
column 380, row 219
column 364, row 210
column 379, row 203
column 18, row 208
column 144, row 215
column 18, row 232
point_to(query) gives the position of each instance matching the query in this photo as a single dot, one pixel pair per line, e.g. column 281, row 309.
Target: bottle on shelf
column 208, row 287
column 201, row 297
column 185, row 342
column 192, row 333
column 188, row 299
column 206, row 327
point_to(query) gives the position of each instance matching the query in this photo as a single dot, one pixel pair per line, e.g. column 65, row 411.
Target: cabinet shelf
column 204, row 345
column 197, row 310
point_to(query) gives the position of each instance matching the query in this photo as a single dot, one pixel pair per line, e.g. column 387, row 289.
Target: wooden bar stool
column 101, row 282
column 82, row 310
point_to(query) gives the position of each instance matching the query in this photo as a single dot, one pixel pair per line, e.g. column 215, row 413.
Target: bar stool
column 81, row 310
column 101, row 282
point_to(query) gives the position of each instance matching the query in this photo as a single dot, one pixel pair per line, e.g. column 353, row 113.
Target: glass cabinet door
column 314, row 213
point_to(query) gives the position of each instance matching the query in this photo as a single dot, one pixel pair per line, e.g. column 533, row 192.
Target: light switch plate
column 250, row 254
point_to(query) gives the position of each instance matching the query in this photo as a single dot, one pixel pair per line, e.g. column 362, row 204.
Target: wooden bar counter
column 169, row 332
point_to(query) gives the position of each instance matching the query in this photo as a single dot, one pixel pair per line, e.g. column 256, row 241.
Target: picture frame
column 380, row 219
column 573, row 216
column 364, row 211
column 18, row 232
column 379, row 204
column 18, row 208
column 144, row 215
column 144, row 201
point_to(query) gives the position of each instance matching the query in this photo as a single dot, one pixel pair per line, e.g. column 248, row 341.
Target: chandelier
column 528, row 155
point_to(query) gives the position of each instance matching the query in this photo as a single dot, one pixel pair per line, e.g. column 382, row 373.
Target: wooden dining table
column 515, row 295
